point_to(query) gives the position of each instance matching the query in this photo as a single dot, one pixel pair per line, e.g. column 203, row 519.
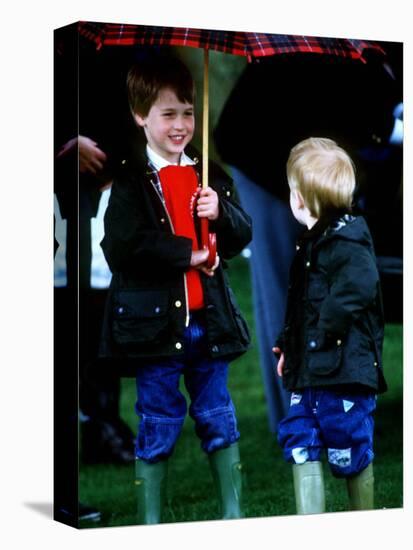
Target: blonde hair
column 323, row 173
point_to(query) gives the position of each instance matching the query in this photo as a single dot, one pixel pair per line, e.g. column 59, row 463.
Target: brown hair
column 323, row 173
column 147, row 78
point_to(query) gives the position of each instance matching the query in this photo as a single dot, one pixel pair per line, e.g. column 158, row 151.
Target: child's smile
column 177, row 139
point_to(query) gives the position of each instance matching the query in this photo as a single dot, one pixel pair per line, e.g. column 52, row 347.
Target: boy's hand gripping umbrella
column 249, row 44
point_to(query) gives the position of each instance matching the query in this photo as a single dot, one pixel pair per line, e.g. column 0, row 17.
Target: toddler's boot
column 309, row 487
column 227, row 473
column 150, row 482
column 360, row 489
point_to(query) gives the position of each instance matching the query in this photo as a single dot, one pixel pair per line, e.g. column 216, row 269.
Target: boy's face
column 169, row 125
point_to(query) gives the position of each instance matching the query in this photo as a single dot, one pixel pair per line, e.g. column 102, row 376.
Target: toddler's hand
column 280, row 366
column 208, row 204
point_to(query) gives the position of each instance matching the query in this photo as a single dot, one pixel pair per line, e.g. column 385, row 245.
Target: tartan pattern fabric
column 154, row 175
column 248, row 44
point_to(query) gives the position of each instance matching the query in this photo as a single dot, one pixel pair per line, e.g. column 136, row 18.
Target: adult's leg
column 105, row 437
column 273, row 248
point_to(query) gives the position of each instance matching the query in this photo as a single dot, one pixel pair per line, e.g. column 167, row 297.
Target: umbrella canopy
column 248, row 44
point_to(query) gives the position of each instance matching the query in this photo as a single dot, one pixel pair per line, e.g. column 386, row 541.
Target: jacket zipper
column 173, row 231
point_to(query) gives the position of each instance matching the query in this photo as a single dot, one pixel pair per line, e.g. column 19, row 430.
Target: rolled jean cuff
column 217, row 428
column 157, row 436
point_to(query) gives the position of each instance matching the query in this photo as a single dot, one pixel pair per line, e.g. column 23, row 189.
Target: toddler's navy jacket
column 333, row 333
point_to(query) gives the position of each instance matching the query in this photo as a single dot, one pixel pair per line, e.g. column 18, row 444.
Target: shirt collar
column 159, row 162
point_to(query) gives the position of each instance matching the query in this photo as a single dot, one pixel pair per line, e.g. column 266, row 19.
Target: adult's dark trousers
column 272, row 248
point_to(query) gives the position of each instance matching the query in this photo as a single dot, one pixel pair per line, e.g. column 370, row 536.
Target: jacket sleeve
column 233, row 226
column 128, row 244
column 353, row 282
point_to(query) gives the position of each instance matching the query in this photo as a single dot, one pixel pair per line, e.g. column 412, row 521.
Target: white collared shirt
column 159, row 162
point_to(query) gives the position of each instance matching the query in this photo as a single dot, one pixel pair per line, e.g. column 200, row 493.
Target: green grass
column 267, row 478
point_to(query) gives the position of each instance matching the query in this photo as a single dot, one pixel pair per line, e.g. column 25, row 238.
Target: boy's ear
column 300, row 200
column 140, row 120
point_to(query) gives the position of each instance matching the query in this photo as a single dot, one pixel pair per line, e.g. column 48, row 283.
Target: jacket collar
column 322, row 225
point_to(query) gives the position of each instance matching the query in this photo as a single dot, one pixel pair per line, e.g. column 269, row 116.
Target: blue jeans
column 340, row 422
column 162, row 407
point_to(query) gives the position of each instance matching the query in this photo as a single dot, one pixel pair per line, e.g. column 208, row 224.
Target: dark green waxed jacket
column 146, row 311
column 333, row 333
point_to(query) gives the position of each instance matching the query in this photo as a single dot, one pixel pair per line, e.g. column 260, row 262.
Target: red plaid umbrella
column 248, row 44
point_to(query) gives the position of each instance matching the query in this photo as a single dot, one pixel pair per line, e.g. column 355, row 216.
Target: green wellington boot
column 360, row 489
column 227, row 473
column 150, row 482
column 309, row 488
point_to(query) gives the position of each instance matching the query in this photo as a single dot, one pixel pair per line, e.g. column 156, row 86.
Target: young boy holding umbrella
column 169, row 314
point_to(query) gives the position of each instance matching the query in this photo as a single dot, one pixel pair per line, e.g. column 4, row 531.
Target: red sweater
column 179, row 187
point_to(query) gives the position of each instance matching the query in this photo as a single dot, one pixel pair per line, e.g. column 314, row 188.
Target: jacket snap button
column 376, row 364
column 120, row 310
column 228, row 193
column 339, row 342
column 157, row 310
column 178, row 345
column 313, row 344
column 178, row 303
column 307, row 264
column 215, row 349
column 163, row 220
column 297, row 247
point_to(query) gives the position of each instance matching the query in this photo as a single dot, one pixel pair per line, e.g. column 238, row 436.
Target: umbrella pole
column 205, row 123
column 208, row 239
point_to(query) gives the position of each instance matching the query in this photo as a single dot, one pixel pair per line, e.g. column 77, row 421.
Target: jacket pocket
column 323, row 354
column 239, row 319
column 139, row 316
